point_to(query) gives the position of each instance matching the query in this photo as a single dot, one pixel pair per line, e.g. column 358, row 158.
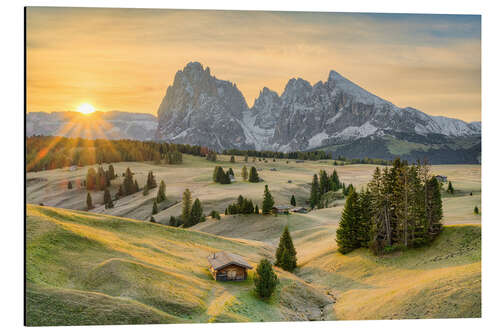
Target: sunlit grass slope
column 85, row 268
column 442, row 280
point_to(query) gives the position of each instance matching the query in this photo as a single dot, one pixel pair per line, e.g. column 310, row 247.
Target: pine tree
column 436, row 207
column 196, row 214
column 324, row 182
column 128, row 183
column 335, row 180
column 136, row 186
column 265, row 279
column 111, row 172
column 256, row 209
column 151, row 181
column 347, row 239
column 315, row 195
column 254, row 176
column 268, row 202
column 450, row 189
column 476, row 210
column 91, row 179
column 70, row 185
column 108, row 202
column 232, row 159
column 286, row 256
column 186, row 206
column 244, row 173
column 89, row 201
column 161, row 196
column 363, row 230
column 292, row 201
column 155, row 208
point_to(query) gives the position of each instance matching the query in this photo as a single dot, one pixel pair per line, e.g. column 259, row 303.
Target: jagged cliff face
column 201, row 109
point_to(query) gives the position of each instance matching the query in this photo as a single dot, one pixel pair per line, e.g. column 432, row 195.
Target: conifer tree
column 128, row 183
column 196, row 214
column 315, row 194
column 450, row 189
column 145, row 190
column 161, row 196
column 324, row 182
column 335, row 180
column 231, row 172
column 476, row 210
column 111, row 172
column 265, row 279
column 363, row 229
column 246, row 158
column 254, row 176
column 268, row 202
column 136, row 186
column 155, row 208
column 244, row 173
column 186, row 206
column 91, row 179
column 89, row 201
column 232, row 159
column 292, row 201
column 347, row 239
column 151, row 181
column 286, row 256
column 256, row 209
column 70, row 185
column 108, row 202
column 120, row 192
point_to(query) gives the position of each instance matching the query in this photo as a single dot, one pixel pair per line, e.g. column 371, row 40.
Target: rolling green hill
column 88, row 269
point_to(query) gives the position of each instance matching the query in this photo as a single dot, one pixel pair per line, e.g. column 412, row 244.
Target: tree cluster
column 129, row 185
column 241, row 206
column 99, row 180
column 322, row 185
column 221, row 177
column 401, row 208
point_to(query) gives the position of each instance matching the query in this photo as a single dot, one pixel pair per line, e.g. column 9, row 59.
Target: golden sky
column 124, row 59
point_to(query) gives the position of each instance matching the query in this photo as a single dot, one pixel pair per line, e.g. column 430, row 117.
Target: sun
column 85, row 108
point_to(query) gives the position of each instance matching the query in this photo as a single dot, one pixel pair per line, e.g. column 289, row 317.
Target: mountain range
column 97, row 125
column 335, row 115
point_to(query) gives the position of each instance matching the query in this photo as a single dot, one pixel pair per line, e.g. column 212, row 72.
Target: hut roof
column 222, row 259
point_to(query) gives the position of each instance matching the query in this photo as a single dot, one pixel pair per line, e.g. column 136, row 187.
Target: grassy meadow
column 110, row 266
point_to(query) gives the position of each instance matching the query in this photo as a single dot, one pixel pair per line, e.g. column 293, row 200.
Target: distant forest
column 52, row 152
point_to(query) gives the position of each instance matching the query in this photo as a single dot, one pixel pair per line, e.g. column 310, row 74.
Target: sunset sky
column 124, row 59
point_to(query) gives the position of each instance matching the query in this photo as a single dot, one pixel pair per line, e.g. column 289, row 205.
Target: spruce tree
column 476, row 210
column 70, row 185
column 244, row 173
column 151, row 181
column 268, row 202
column 89, row 201
column 136, row 186
column 186, row 206
column 91, row 179
column 286, row 256
column 155, row 208
column 450, row 189
column 128, row 182
column 108, row 202
column 315, row 194
column 347, row 239
column 292, row 201
column 265, row 279
column 161, row 196
column 256, row 209
column 111, row 172
column 196, row 214
column 254, row 176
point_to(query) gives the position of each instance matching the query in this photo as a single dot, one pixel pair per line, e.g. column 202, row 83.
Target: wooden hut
column 226, row 266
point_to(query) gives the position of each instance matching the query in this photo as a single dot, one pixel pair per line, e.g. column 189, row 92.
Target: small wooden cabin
column 281, row 209
column 226, row 266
